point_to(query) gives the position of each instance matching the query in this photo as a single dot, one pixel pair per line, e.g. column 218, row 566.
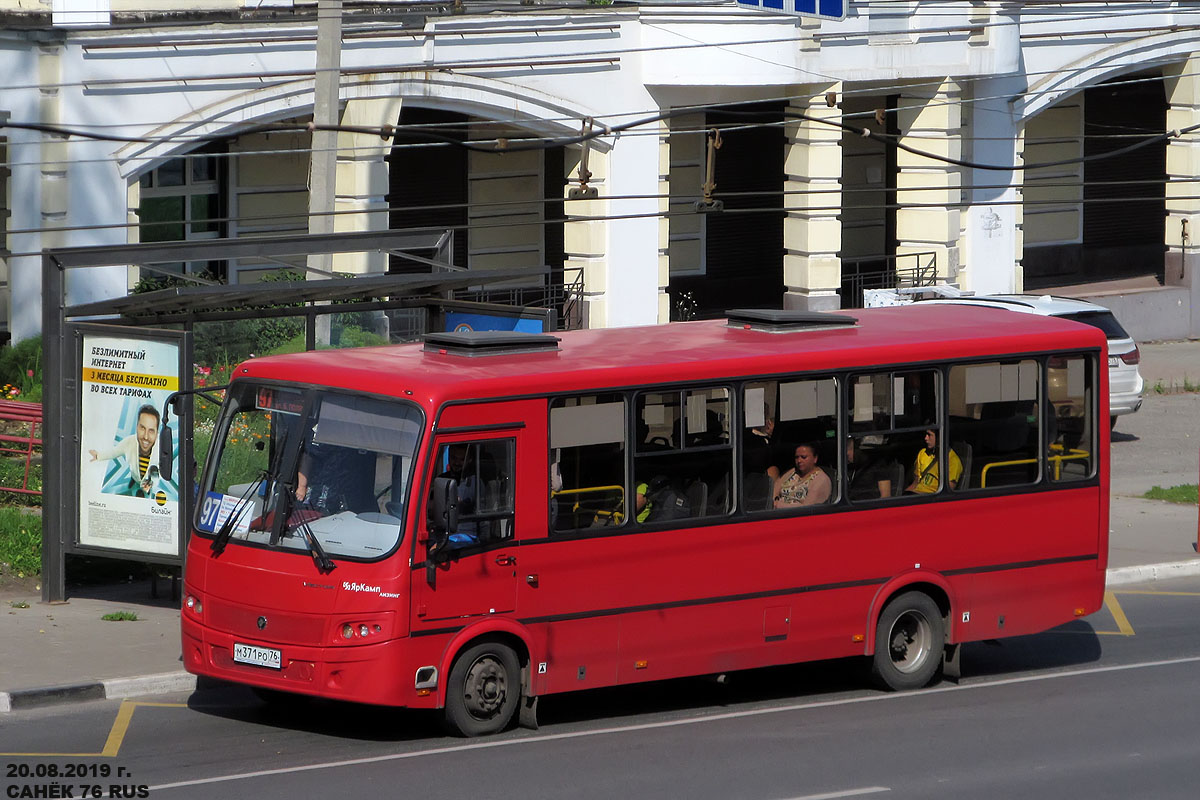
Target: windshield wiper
column 226, row 529
column 271, row 474
column 324, row 562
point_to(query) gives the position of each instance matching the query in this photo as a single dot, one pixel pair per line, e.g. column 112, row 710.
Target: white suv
column 1125, row 382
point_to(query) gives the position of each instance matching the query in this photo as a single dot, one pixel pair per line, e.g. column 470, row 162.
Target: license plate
column 258, row 656
column 1112, row 361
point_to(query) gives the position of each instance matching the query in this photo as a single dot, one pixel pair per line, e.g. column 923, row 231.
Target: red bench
column 21, row 439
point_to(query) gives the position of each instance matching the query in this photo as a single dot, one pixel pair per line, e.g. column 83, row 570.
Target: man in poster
column 138, row 453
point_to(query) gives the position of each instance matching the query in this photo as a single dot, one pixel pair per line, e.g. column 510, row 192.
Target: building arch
column 1109, row 225
column 1105, row 64
column 538, row 112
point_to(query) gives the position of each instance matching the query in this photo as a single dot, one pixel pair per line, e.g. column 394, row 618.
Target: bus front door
column 472, row 569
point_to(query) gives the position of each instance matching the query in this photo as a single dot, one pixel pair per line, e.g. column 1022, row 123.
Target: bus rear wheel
column 909, row 641
column 484, row 690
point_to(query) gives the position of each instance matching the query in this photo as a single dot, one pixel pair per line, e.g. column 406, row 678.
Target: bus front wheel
column 909, row 641
column 484, row 689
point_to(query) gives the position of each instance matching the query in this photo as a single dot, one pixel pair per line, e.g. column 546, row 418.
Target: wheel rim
column 909, row 641
column 486, row 688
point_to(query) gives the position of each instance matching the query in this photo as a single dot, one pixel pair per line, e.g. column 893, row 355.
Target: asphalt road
column 1101, row 708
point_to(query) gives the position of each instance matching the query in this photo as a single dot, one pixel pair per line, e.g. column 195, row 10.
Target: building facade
column 743, row 158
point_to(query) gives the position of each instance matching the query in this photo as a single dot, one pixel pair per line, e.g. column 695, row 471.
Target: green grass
column 12, row 474
column 1186, row 493
column 1188, row 385
column 20, row 542
column 120, row 616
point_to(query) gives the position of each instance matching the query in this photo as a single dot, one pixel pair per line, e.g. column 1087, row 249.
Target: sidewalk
column 1169, row 364
column 63, row 653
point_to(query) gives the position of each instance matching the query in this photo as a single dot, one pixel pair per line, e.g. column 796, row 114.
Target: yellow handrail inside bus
column 1071, row 455
column 616, row 515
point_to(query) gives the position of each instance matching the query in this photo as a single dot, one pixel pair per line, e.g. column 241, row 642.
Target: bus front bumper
column 378, row 674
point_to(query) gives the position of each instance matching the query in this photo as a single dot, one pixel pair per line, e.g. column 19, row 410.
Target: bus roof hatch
column 776, row 320
column 489, row 343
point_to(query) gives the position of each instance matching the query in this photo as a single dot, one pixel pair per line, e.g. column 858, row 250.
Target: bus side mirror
column 166, row 457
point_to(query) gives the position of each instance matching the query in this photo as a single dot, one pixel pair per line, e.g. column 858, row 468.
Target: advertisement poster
column 125, row 500
column 465, row 321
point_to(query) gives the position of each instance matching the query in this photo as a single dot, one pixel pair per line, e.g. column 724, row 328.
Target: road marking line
column 758, row 712
column 116, row 734
column 846, row 793
column 1118, row 614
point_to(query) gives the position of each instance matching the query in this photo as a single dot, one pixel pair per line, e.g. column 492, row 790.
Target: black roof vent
column 489, row 343
column 777, row 320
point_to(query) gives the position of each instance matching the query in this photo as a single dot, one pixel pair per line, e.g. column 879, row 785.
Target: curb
column 110, row 689
column 1121, row 576
column 167, row 682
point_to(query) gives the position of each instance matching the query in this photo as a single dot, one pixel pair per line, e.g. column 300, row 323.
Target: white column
column 584, row 237
column 632, row 284
column 619, row 258
column 25, row 272
column 55, row 184
column 1182, row 266
column 930, row 120
column 812, row 233
column 362, row 180
column 664, row 222
column 992, row 242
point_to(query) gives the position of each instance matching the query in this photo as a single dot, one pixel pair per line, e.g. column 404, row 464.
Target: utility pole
column 322, row 197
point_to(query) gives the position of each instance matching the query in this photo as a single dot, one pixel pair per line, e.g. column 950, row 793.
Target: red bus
column 487, row 518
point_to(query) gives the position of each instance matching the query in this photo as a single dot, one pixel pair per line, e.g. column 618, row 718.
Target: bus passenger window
column 780, row 416
column 1071, row 385
column 994, row 422
column 587, row 457
column 684, row 459
column 894, row 420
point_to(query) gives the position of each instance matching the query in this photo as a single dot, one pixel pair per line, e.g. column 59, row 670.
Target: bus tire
column 909, row 641
column 484, row 690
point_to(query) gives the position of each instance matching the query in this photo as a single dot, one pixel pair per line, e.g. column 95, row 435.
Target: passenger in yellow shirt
column 925, row 469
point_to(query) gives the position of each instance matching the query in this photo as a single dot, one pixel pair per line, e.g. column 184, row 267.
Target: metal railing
column 902, row 271
column 566, row 298
column 20, row 440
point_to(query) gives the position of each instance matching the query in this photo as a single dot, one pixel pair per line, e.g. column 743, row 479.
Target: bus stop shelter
column 110, row 365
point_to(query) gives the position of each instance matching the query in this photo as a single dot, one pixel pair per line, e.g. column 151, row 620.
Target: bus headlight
column 361, row 631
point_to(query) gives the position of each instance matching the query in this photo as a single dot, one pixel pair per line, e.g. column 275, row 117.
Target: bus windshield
column 290, row 462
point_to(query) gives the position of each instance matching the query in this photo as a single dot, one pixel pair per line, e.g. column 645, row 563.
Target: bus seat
column 756, row 491
column 832, row 474
column 697, row 497
column 898, row 479
column 718, row 497
column 964, row 451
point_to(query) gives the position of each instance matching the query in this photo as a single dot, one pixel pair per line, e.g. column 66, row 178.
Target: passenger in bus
column 642, row 505
column 332, row 479
column 805, row 484
column 925, row 468
column 868, row 478
column 758, row 453
column 659, row 500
